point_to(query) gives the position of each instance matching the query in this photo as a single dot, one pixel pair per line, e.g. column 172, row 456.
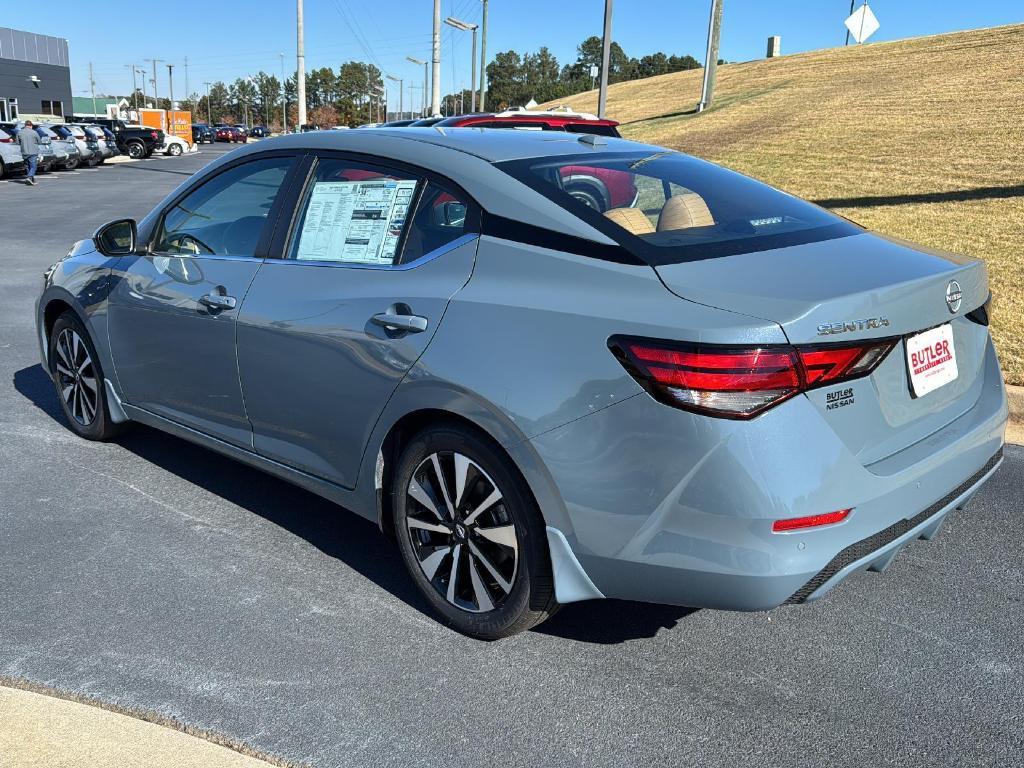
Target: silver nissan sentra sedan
column 552, row 367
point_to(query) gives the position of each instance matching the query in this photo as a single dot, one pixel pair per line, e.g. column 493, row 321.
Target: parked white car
column 174, row 145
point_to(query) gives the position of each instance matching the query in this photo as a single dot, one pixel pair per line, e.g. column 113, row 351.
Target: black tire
column 500, row 589
column 174, row 150
column 136, row 150
column 71, row 164
column 87, row 417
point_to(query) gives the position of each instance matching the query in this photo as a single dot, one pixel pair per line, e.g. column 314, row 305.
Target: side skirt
column 344, row 497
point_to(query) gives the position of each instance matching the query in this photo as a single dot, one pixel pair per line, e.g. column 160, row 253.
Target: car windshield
column 667, row 207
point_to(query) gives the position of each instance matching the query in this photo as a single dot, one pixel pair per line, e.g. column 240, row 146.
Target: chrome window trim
column 434, row 254
column 208, row 256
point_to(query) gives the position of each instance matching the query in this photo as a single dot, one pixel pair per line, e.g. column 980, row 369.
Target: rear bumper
column 671, row 507
column 877, row 551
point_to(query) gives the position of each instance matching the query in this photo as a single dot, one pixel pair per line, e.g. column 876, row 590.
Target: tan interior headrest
column 633, row 220
column 685, row 211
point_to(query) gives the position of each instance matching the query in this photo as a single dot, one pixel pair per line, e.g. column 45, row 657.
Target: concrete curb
column 1015, row 396
column 38, row 722
column 1015, row 429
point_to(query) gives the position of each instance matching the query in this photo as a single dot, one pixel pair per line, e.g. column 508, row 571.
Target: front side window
column 373, row 216
column 226, row 215
column 666, row 207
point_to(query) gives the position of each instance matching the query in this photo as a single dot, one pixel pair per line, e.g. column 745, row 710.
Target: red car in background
column 598, row 188
column 230, row 133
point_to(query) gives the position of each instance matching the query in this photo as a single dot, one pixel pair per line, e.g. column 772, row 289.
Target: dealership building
column 35, row 78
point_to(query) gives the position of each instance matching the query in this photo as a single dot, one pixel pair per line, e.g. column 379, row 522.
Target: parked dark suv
column 203, row 134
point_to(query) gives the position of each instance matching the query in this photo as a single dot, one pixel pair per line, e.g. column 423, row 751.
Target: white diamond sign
column 862, row 23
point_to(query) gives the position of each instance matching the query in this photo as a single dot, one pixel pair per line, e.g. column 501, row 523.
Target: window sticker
column 358, row 222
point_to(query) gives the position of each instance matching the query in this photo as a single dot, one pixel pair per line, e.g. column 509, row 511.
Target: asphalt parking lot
column 158, row 577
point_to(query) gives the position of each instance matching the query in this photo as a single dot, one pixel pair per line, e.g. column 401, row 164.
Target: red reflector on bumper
column 811, row 521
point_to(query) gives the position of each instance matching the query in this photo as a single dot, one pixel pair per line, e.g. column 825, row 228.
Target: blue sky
column 225, row 41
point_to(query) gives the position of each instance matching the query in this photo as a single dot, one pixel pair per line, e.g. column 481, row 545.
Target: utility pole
column 369, row 98
column 300, row 51
column 852, row 3
column 92, row 87
column 156, row 99
column 711, row 59
column 141, row 71
column 606, row 55
column 209, row 107
column 188, row 94
column 135, row 88
column 284, row 99
column 170, row 83
column 483, row 59
column 435, row 90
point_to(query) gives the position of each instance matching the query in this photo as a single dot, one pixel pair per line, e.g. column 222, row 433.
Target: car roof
column 492, row 145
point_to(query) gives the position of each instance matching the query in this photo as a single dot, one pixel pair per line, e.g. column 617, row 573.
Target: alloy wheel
column 76, row 377
column 461, row 532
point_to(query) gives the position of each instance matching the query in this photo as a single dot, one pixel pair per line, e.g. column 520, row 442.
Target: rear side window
column 373, row 216
column 666, row 207
column 593, row 130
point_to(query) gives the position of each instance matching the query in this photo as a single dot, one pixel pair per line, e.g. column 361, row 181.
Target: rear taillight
column 8, row 140
column 154, row 134
column 740, row 382
column 811, row 521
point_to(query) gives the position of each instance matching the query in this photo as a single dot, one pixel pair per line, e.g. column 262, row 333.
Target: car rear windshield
column 666, row 207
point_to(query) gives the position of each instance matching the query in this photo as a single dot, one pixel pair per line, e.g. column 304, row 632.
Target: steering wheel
column 186, row 240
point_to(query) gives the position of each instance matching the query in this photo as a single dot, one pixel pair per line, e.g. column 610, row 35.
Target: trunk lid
column 847, row 290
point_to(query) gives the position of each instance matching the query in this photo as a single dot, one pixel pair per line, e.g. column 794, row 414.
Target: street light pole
column 467, row 27
column 606, row 48
column 401, row 105
column 170, row 83
column 414, row 60
column 209, row 107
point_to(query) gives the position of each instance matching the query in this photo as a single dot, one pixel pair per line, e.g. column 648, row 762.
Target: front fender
column 82, row 281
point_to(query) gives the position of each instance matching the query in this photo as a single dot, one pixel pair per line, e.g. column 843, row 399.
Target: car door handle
column 400, row 322
column 217, row 301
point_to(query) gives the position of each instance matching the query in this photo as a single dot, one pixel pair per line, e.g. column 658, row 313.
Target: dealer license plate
column 931, row 359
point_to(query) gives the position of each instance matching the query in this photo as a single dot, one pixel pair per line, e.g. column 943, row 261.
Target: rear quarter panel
column 526, row 343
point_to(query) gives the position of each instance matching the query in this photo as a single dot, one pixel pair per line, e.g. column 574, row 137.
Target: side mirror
column 117, row 238
column 450, row 214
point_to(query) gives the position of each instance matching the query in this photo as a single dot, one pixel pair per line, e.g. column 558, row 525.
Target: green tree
column 506, row 81
column 220, row 99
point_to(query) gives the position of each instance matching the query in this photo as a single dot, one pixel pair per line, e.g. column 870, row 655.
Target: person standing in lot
column 29, row 141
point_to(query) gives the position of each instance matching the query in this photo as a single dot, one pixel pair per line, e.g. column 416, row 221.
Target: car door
column 173, row 310
column 331, row 327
